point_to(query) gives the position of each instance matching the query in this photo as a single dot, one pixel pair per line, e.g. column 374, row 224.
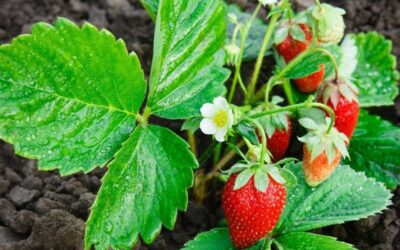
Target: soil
column 41, row 210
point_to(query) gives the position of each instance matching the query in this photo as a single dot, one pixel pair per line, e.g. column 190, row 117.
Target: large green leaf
column 217, row 239
column 255, row 36
column 143, row 189
column 375, row 149
column 187, row 64
column 345, row 196
column 68, row 95
column 151, row 6
column 376, row 75
column 309, row 241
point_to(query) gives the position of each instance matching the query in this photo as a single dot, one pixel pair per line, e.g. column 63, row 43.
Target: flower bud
column 232, row 51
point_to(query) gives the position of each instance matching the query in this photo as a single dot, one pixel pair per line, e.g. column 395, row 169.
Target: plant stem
column 332, row 59
column 223, row 162
column 207, row 153
column 264, row 46
column 217, row 153
column 299, row 106
column 238, row 66
column 288, row 91
column 263, row 141
column 192, row 142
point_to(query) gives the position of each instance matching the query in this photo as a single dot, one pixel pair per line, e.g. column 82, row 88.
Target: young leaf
column 374, row 149
column 255, row 36
column 310, row 64
column 192, row 124
column 309, row 241
column 345, row 196
column 376, row 75
column 143, row 189
column 187, row 68
column 68, row 95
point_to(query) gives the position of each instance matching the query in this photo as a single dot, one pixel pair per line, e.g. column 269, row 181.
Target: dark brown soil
column 44, row 211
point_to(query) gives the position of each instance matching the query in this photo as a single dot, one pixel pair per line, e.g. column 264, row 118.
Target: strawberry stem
column 332, row 59
column 264, row 46
column 243, row 36
column 263, row 140
column 295, row 107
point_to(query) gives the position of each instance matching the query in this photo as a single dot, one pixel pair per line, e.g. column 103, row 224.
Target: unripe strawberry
column 329, row 23
column 251, row 213
column 322, row 150
column 318, row 169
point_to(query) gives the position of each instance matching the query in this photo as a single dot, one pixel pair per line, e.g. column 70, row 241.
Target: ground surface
column 44, row 211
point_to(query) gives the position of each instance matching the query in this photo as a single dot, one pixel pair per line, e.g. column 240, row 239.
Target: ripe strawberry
column 322, row 151
column 278, row 144
column 341, row 96
column 252, row 214
column 312, row 82
column 292, row 46
column 319, row 169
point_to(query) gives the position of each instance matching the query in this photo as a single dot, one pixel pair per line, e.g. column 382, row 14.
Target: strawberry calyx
column 333, row 89
column 247, row 170
column 291, row 28
column 271, row 123
column 318, row 141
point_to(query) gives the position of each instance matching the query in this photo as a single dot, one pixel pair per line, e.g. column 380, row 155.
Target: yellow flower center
column 220, row 119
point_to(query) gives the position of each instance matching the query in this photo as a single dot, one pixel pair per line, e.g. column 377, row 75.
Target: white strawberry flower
column 217, row 118
column 269, row 2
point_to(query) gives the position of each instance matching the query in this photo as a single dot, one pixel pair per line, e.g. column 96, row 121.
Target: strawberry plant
column 73, row 98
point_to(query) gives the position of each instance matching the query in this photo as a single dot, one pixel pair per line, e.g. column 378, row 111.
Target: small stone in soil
column 4, row 186
column 32, row 182
column 8, row 237
column 45, row 205
column 21, row 196
column 12, row 176
column 22, row 221
column 7, row 209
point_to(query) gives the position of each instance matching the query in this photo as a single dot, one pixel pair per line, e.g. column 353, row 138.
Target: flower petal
column 230, row 119
column 221, row 102
column 220, row 135
column 208, row 127
column 208, row 110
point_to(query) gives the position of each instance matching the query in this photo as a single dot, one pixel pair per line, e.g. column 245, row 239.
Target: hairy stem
column 260, row 59
column 192, row 142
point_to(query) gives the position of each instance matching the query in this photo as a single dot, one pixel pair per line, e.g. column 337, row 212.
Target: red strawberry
column 290, row 48
column 341, row 96
column 319, row 169
column 252, row 214
column 312, row 82
column 278, row 144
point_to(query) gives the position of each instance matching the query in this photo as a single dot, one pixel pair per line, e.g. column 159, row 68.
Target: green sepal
column 261, row 180
column 243, row 178
column 297, row 33
column 281, row 34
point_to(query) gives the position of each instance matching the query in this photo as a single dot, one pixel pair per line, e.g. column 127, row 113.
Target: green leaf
column 187, row 68
column 309, row 241
column 255, row 36
column 68, row 95
column 192, row 124
column 374, row 149
column 345, row 196
column 310, row 64
column 247, row 131
column 215, row 239
column 143, row 189
column 376, row 75
column 151, row 6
